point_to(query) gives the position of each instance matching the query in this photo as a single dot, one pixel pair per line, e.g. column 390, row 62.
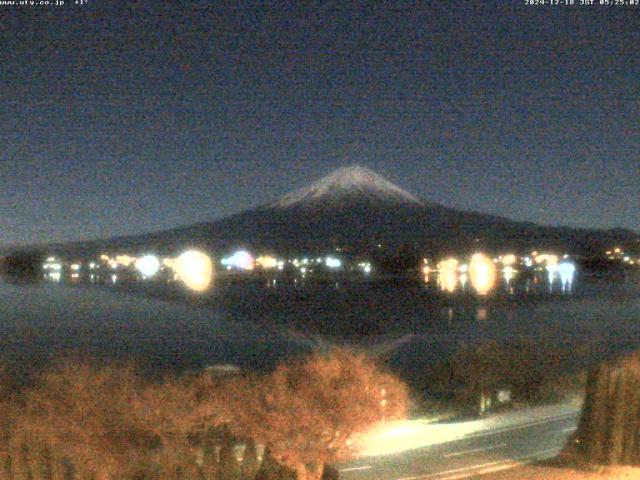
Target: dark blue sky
column 126, row 117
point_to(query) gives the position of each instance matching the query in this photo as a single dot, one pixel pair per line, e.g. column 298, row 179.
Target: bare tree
column 308, row 412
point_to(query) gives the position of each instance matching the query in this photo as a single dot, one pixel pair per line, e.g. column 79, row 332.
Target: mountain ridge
column 347, row 182
column 356, row 208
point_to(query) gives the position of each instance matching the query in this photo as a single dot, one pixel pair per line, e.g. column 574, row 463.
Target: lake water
column 253, row 325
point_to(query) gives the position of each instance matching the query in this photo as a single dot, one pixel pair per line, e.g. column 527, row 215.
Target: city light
column 509, row 259
column 333, row 262
column 195, row 270
column 482, row 273
column 448, row 265
column 125, row 260
column 52, row 265
column 365, row 267
column 242, row 260
column 547, row 259
column 267, row 262
column 148, row 265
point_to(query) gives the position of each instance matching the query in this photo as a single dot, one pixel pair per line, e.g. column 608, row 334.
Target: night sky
column 122, row 117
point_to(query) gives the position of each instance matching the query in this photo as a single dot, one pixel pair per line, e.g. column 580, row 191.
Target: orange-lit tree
column 308, row 412
column 81, row 414
column 179, row 412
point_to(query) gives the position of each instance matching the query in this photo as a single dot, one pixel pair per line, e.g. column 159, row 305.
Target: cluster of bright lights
column 118, row 261
column 450, row 265
column 267, row 262
column 52, row 265
column 241, row 260
column 482, row 273
column 509, row 259
column 148, row 265
column 333, row 262
column 550, row 260
column 195, row 270
column 365, row 267
column 125, row 260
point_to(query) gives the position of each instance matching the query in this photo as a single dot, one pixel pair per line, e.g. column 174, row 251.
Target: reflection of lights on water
column 114, row 278
column 481, row 314
column 148, row 265
column 55, row 276
column 448, row 274
column 566, row 271
column 508, row 274
column 448, row 281
column 482, row 272
column 195, row 270
column 241, row 260
column 464, row 268
column 463, row 280
column 75, row 267
column 528, row 262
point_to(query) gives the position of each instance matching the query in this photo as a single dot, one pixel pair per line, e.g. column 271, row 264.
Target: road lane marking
column 507, row 463
column 475, row 450
column 355, row 469
column 570, row 429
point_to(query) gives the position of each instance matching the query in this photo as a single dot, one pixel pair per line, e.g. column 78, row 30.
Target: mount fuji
column 359, row 211
column 346, row 186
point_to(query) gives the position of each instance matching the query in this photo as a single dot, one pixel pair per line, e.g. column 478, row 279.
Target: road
column 474, row 454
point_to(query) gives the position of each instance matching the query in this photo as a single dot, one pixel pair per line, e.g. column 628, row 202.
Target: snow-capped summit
column 348, row 183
